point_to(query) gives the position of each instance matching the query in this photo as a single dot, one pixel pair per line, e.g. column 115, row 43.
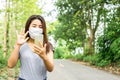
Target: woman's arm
column 12, row 61
column 48, row 60
column 21, row 38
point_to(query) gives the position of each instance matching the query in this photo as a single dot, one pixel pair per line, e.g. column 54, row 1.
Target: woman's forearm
column 48, row 60
column 12, row 61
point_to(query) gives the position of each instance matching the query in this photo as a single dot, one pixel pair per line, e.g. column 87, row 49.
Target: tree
column 16, row 14
column 109, row 42
column 6, row 29
column 76, row 18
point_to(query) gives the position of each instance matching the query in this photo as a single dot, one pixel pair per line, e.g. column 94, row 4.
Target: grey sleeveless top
column 32, row 66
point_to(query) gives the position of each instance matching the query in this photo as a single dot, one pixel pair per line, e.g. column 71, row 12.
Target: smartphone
column 39, row 40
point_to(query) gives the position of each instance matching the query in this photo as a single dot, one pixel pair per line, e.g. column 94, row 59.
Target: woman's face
column 36, row 23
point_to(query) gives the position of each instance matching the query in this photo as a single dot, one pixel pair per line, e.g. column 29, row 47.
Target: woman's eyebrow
column 33, row 24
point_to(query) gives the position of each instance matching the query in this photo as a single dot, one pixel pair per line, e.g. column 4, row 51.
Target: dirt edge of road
column 110, row 69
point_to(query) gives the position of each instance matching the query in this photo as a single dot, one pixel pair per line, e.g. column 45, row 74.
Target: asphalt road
column 69, row 70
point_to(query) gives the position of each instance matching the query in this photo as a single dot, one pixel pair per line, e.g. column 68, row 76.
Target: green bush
column 87, row 58
column 3, row 61
column 118, row 63
column 103, row 63
column 115, row 49
column 77, row 57
column 109, row 42
column 61, row 52
column 58, row 52
column 92, row 59
column 68, row 56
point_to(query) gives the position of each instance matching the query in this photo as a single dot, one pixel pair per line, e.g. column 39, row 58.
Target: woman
column 35, row 59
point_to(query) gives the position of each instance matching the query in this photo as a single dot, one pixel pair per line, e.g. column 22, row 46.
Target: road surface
column 69, row 70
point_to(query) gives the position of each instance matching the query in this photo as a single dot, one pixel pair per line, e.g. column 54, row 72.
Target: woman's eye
column 40, row 26
column 33, row 26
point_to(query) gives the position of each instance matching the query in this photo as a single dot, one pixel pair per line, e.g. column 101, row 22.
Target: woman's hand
column 21, row 38
column 47, row 58
column 40, row 50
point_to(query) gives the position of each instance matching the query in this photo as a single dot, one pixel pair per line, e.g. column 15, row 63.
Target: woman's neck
column 30, row 40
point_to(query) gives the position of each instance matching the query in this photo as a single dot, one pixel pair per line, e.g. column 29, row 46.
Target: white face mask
column 36, row 33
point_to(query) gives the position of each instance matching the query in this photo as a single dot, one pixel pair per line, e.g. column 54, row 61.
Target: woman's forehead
column 36, row 21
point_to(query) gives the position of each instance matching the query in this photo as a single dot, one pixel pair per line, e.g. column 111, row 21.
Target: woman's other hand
column 21, row 38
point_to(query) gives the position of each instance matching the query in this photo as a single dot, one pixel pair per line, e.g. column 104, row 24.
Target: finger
column 22, row 31
column 25, row 34
column 26, row 39
column 37, row 47
column 37, row 50
column 41, row 45
column 32, row 48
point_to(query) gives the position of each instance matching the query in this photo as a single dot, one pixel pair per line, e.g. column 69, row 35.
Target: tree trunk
column 5, row 36
column 93, row 29
column 6, row 29
column 91, row 42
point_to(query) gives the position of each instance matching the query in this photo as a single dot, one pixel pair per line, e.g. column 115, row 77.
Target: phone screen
column 39, row 40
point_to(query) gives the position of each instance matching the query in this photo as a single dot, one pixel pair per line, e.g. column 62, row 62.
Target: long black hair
column 27, row 25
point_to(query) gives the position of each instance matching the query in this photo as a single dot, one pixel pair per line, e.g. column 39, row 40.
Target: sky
column 49, row 10
column 2, row 4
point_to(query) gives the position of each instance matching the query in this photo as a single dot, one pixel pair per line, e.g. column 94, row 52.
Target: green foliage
column 115, row 49
column 70, row 27
column 71, row 36
column 95, row 60
column 103, row 63
column 23, row 9
column 109, row 43
column 3, row 60
column 78, row 57
column 61, row 51
column 76, row 18
column 118, row 63
column 92, row 59
column 87, row 58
